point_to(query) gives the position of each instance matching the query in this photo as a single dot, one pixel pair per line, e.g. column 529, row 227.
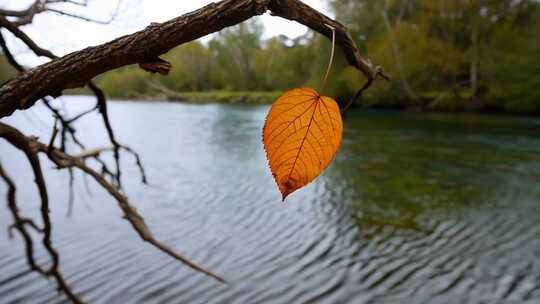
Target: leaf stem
column 331, row 58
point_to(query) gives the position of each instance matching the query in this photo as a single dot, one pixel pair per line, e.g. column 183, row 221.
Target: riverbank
column 434, row 203
column 446, row 102
column 217, row 96
column 450, row 103
column 242, row 97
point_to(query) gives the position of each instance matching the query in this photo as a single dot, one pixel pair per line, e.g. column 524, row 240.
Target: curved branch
column 9, row 56
column 93, row 153
column 24, row 38
column 26, row 16
column 22, row 13
column 87, row 19
column 27, row 145
column 101, row 100
column 30, row 146
column 298, row 11
column 76, row 69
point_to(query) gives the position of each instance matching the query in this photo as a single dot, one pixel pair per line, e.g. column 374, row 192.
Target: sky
column 63, row 35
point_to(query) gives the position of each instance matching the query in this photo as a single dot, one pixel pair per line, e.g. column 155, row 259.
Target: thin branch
column 100, row 96
column 19, row 223
column 54, row 133
column 357, row 95
column 366, row 85
column 298, row 11
column 23, row 13
column 12, row 28
column 93, row 153
column 76, row 69
column 71, row 197
column 28, row 147
column 26, row 16
column 66, row 127
column 87, row 19
column 101, row 100
column 8, row 55
column 63, row 160
column 102, row 106
column 82, row 114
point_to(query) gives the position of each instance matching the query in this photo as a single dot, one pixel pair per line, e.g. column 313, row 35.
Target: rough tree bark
column 77, row 69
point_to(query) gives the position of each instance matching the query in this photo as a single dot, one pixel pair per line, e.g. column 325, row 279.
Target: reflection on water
column 415, row 208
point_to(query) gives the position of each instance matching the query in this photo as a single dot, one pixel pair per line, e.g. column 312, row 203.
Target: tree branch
column 9, row 56
column 101, row 100
column 27, row 146
column 87, row 19
column 26, row 16
column 76, row 69
column 31, row 147
column 24, row 38
column 298, row 11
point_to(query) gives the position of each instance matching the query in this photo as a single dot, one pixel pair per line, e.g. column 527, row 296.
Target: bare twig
column 357, row 95
column 76, row 69
column 94, row 153
column 66, row 124
column 87, row 19
column 71, row 196
column 26, row 16
column 102, row 106
column 12, row 28
column 28, row 148
column 366, row 85
column 82, row 114
column 31, row 147
column 9, row 56
column 54, row 133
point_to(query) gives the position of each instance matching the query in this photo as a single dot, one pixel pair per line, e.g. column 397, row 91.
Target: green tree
column 234, row 52
column 514, row 77
column 191, row 68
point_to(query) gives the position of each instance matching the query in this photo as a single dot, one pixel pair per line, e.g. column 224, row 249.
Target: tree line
column 452, row 54
column 444, row 55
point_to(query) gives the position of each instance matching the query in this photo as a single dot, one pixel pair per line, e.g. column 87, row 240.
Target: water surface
column 414, row 209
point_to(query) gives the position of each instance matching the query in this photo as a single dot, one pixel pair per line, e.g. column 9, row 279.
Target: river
column 415, row 208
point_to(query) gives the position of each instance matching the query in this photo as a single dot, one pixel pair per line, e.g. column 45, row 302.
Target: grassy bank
column 229, row 97
column 218, row 96
column 433, row 101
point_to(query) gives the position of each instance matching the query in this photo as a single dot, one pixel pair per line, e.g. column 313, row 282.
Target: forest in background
column 447, row 55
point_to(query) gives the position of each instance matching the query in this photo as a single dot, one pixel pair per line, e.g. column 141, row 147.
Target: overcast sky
column 63, row 35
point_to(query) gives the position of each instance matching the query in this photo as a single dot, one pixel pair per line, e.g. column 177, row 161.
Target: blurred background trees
column 443, row 55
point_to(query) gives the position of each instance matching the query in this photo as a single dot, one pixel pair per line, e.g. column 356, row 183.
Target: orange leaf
column 301, row 136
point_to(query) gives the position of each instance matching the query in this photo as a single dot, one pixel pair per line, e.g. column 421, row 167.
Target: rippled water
column 415, row 209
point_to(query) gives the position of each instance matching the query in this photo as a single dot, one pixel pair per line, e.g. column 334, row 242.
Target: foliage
column 436, row 52
column 515, row 80
column 235, row 60
column 301, row 136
